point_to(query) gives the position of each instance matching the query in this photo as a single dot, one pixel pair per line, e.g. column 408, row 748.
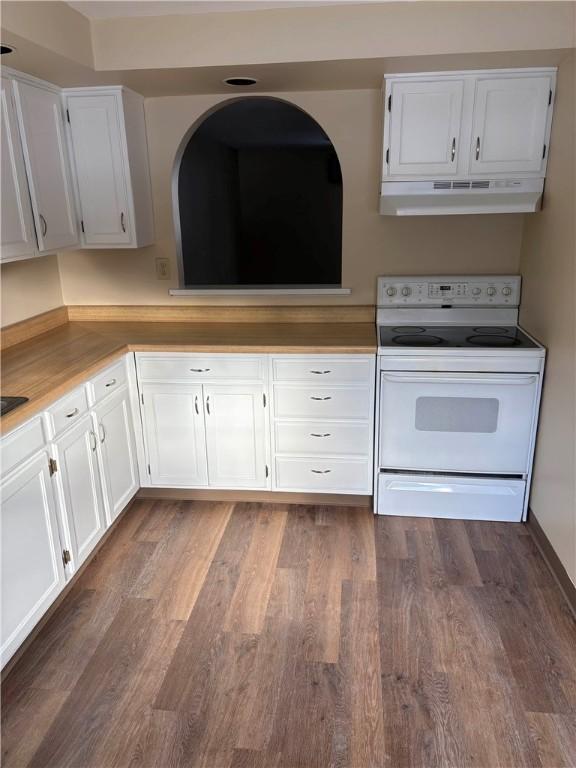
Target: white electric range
column 458, row 395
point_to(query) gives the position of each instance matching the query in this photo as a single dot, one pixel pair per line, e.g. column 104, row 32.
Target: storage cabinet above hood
column 466, row 142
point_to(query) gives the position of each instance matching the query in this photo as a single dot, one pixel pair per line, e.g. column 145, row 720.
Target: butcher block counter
column 47, row 366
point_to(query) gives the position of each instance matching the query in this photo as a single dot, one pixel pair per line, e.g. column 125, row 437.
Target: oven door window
column 457, row 422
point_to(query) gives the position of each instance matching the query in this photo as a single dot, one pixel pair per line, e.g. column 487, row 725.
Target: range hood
column 429, row 198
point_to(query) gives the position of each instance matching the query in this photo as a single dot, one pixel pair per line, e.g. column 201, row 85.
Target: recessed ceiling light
column 5, row 48
column 240, row 81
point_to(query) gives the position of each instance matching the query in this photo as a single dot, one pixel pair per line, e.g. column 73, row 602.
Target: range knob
column 476, row 291
column 491, row 291
column 406, row 291
column 506, row 291
column 391, row 291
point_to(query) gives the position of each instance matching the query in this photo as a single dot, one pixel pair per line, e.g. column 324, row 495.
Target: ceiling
column 109, row 9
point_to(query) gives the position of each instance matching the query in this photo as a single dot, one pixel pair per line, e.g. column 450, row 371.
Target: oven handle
column 517, row 378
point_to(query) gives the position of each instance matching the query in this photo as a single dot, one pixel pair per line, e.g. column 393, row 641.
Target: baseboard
column 33, row 326
column 267, row 497
column 552, row 560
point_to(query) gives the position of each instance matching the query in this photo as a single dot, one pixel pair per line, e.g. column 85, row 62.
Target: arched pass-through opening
column 258, row 200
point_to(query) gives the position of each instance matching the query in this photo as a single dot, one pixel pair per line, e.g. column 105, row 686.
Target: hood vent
column 461, row 185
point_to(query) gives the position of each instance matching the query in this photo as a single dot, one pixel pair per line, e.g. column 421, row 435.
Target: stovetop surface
column 454, row 336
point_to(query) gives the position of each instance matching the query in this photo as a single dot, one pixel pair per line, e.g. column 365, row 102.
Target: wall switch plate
column 162, row 268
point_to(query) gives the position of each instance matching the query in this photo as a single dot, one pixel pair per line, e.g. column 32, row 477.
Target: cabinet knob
column 122, row 222
column 44, row 225
column 453, row 148
column 477, row 147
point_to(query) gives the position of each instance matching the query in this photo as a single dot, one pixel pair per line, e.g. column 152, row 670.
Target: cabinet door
column 235, row 435
column 117, row 451
column 80, row 488
column 509, row 124
column 175, row 437
column 96, row 130
column 424, row 128
column 32, row 573
column 18, row 236
column 45, row 153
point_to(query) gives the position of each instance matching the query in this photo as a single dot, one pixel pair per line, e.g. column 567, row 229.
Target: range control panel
column 411, row 291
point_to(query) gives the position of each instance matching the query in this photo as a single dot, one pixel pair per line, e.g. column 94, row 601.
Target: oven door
column 457, row 422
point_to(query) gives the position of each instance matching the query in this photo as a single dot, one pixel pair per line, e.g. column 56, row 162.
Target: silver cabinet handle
column 453, row 148
column 320, row 398
column 110, row 383
column 122, row 223
column 321, row 372
column 44, row 225
column 321, row 471
column 75, row 412
column 316, row 434
column 477, row 147
column 196, row 405
column 93, row 440
column 199, row 370
column 208, row 405
column 102, row 431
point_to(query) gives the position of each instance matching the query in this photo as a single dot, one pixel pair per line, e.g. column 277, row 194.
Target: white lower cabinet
column 173, row 416
column 117, row 452
column 32, row 571
column 235, row 435
column 80, row 488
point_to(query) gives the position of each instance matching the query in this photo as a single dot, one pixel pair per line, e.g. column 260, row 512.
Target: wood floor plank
column 555, row 738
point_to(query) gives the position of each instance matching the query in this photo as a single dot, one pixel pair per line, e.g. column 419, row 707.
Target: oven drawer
column 457, row 422
column 457, row 498
column 308, row 402
column 324, row 475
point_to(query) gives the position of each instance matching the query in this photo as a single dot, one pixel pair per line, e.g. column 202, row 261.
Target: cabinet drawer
column 67, row 411
column 20, row 444
column 322, row 402
column 323, row 371
column 325, row 475
column 187, row 368
column 109, row 380
column 324, row 437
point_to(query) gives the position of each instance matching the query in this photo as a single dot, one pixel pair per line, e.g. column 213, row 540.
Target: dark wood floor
column 258, row 636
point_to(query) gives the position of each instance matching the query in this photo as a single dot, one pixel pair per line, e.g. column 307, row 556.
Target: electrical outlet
column 162, row 268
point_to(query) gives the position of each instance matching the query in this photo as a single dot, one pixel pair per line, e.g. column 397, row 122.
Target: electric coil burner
column 458, row 396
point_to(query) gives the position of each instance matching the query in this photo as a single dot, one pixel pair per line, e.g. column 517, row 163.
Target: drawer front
column 110, row 380
column 324, row 475
column 307, row 402
column 67, row 411
column 187, row 368
column 20, row 444
column 315, row 438
column 323, row 371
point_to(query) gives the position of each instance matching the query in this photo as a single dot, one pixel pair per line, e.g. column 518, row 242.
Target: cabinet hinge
column 52, row 466
column 67, row 115
column 390, row 103
column 544, row 152
column 82, row 225
column 267, row 470
column 66, row 557
column 388, row 157
column 264, row 399
column 550, row 97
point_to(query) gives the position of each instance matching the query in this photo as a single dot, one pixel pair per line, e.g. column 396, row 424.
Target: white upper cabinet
column 46, row 156
column 110, row 156
column 18, row 236
column 463, row 125
column 509, row 124
column 425, row 122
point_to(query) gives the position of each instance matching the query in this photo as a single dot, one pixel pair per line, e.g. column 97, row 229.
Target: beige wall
column 29, row 288
column 548, row 266
column 372, row 244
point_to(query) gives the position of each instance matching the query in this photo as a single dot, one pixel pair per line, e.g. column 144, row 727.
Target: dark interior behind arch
column 260, row 199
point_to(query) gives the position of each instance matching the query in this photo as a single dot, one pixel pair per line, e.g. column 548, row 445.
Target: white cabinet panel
column 175, row 437
column 314, row 438
column 17, row 228
column 80, row 488
column 235, row 436
column 46, row 156
column 97, row 150
column 32, row 572
column 307, row 402
column 509, row 124
column 117, row 451
column 323, row 475
column 424, row 130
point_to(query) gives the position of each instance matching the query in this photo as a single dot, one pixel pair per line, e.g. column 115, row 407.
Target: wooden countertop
column 47, row 366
